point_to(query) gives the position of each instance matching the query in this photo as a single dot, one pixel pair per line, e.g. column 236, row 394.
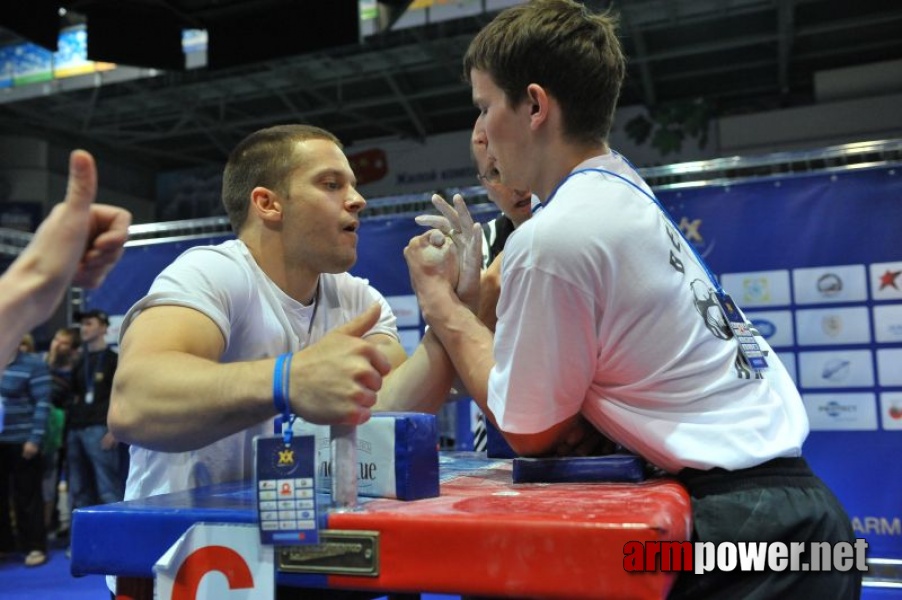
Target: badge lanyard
column 91, row 375
column 749, row 349
column 285, row 468
column 280, row 420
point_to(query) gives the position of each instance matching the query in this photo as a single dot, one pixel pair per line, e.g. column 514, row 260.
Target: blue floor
column 52, row 581
column 873, row 593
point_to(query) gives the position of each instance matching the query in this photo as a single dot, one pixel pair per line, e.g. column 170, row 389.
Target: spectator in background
column 25, row 390
column 61, row 357
column 77, row 244
column 92, row 453
column 61, row 360
column 27, row 343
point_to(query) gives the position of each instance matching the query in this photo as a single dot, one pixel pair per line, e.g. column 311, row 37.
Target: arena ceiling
column 734, row 56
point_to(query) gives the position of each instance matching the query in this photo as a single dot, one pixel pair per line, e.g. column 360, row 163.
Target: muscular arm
column 422, row 382
column 170, row 392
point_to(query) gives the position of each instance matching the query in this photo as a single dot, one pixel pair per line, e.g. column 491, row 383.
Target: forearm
column 174, row 401
column 29, row 295
column 489, row 293
column 468, row 344
column 422, row 382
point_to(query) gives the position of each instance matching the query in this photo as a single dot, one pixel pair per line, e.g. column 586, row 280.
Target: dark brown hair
column 559, row 44
column 264, row 158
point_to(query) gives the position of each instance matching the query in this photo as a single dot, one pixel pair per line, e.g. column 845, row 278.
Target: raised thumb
column 363, row 322
column 82, row 187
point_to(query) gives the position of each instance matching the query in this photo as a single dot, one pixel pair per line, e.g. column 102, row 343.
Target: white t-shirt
column 257, row 320
column 605, row 310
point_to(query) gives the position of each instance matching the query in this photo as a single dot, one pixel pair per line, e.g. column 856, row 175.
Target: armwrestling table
column 483, row 536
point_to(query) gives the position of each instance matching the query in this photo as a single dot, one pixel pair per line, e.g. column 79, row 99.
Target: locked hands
column 457, row 225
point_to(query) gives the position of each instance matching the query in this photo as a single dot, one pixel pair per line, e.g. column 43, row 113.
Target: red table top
column 484, row 535
column 488, row 536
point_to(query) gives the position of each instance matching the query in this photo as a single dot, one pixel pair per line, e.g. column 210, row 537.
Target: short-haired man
column 599, row 312
column 93, row 456
column 198, row 352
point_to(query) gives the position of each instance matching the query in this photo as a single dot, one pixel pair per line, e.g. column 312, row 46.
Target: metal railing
column 719, row 171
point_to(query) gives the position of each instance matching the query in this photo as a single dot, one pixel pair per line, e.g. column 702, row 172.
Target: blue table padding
column 579, row 469
column 168, row 516
column 154, row 524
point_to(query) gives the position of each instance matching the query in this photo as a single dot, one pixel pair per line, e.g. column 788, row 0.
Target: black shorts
column 779, row 501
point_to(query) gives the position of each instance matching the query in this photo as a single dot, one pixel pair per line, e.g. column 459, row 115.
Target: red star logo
column 888, row 279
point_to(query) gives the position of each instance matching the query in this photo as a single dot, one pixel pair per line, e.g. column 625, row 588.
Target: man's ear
column 266, row 204
column 539, row 104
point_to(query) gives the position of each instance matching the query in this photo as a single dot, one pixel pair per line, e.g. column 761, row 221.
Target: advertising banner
column 815, row 262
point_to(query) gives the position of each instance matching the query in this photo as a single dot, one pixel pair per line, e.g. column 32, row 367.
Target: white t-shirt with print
column 604, row 310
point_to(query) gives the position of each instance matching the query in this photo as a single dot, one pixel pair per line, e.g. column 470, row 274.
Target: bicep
column 172, row 329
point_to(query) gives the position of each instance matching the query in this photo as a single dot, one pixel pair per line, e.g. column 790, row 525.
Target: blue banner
column 816, row 264
column 131, row 277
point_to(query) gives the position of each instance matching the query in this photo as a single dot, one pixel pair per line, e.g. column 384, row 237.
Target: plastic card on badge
column 286, row 490
column 748, row 347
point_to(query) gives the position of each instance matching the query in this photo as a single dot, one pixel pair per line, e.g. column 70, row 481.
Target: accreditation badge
column 286, row 490
column 748, row 347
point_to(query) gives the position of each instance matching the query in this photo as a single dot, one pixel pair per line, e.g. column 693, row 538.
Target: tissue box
column 397, row 455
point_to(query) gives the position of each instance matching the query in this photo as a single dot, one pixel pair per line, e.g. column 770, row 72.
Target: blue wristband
column 281, row 398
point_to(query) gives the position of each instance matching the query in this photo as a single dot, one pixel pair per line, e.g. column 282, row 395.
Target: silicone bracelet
column 281, row 378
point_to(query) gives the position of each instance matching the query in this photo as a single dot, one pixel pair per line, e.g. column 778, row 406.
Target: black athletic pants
column 780, row 500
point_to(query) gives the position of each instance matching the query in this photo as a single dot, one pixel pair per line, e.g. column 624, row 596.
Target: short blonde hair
column 27, row 343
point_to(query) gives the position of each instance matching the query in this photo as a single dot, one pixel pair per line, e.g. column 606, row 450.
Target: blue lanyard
column 651, row 197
